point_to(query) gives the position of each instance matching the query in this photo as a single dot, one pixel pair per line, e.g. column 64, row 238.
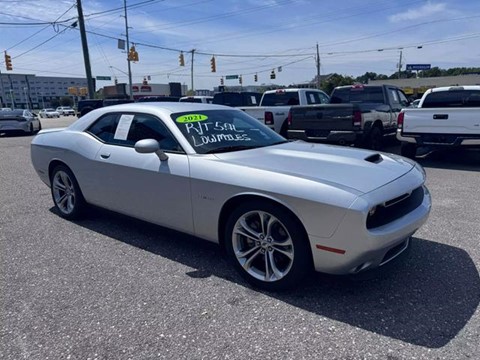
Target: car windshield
column 214, row 131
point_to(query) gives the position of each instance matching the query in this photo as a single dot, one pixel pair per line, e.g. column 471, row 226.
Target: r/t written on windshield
column 202, row 128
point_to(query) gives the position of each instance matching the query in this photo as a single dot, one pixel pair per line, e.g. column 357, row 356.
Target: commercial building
column 35, row 92
column 417, row 86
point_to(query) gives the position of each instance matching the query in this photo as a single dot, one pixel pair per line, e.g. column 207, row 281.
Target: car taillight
column 400, row 120
column 289, row 119
column 268, row 118
column 357, row 118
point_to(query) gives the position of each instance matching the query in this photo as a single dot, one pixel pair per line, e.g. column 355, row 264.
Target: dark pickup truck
column 357, row 114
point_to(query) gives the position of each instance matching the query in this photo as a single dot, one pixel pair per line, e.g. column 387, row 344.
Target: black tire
column 408, row 150
column 66, row 193
column 284, row 129
column 264, row 251
column 39, row 128
column 31, row 131
column 375, row 138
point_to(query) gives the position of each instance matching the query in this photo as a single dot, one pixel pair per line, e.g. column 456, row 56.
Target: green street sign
column 231, row 77
column 103, row 77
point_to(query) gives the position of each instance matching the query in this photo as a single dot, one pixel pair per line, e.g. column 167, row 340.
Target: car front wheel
column 267, row 245
column 66, row 193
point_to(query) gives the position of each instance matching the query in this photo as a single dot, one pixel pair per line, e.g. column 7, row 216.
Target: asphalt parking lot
column 111, row 287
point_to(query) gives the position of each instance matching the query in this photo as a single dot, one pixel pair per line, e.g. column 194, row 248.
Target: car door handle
column 104, row 156
column 440, row 116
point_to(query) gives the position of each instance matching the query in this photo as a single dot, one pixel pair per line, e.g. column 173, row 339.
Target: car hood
column 358, row 169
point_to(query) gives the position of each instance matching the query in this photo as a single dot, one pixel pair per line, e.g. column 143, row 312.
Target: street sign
column 231, row 77
column 419, row 66
column 103, row 77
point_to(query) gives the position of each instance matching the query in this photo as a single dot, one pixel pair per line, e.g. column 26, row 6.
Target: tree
column 54, row 103
column 66, row 101
column 336, row 80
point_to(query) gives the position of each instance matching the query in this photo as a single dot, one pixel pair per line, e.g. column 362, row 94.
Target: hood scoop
column 375, row 158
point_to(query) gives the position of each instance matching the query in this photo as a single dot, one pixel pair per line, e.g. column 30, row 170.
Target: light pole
column 11, row 97
column 128, row 52
column 26, row 99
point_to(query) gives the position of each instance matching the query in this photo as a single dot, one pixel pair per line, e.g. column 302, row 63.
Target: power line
column 46, row 27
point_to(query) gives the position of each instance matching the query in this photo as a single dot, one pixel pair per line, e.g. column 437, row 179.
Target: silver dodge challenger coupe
column 278, row 208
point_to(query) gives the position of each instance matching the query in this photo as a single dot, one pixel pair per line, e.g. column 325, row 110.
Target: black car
column 87, row 105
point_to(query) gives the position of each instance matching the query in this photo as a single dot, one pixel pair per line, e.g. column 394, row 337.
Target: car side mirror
column 148, row 146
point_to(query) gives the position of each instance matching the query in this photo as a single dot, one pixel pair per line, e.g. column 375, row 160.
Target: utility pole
column 318, row 68
column 4, row 101
column 191, row 72
column 128, row 49
column 86, row 56
column 400, row 65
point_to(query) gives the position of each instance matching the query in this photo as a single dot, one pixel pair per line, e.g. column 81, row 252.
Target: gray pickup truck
column 357, row 114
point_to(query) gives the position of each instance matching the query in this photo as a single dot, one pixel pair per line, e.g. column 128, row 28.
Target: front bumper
column 354, row 248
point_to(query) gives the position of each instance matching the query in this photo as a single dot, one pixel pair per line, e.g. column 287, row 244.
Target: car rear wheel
column 66, row 193
column 408, row 150
column 267, row 245
column 375, row 139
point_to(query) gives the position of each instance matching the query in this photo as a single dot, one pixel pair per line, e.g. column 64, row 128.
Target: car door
column 141, row 185
column 397, row 102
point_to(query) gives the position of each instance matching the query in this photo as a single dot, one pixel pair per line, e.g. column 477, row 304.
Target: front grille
column 395, row 208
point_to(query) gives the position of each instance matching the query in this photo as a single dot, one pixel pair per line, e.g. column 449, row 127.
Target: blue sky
column 247, row 37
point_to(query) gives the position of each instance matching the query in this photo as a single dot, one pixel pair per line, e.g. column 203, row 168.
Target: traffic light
column 221, row 81
column 255, row 77
column 272, row 75
column 213, row 66
column 8, row 61
column 133, row 54
column 181, row 59
column 240, row 79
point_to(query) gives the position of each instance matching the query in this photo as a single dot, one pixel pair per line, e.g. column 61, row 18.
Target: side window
column 104, row 128
column 145, row 126
column 393, row 95
column 312, row 98
column 324, row 99
column 403, row 98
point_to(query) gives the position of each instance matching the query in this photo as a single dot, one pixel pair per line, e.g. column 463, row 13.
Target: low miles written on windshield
column 224, row 130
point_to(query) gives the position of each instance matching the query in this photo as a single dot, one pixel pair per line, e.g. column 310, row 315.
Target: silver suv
column 65, row 110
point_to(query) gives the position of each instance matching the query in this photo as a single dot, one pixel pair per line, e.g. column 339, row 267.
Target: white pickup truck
column 275, row 105
column 445, row 117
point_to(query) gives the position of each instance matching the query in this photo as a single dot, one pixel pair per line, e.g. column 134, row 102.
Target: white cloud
column 424, row 11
